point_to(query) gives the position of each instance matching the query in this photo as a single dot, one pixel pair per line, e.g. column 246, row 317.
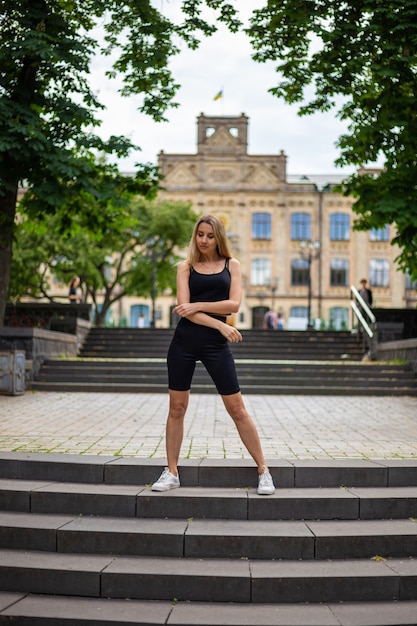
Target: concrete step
column 123, row 500
column 268, row 377
column 208, row 579
column 234, row 473
column 39, row 610
column 131, row 371
column 84, row 540
column 124, row 342
column 214, row 538
column 208, row 472
column 248, row 389
column 287, row 352
column 36, row 610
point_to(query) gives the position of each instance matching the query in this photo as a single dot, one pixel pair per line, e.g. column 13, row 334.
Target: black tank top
column 210, row 287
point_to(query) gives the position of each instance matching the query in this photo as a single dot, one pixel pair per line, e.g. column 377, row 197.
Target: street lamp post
column 274, row 287
column 309, row 251
column 152, row 243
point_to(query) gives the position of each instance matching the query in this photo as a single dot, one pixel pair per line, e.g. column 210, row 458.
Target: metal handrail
column 369, row 324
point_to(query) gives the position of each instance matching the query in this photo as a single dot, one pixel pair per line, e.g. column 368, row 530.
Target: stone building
column 283, row 230
column 293, row 235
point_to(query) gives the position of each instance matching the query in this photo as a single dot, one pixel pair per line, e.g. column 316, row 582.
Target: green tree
column 48, row 112
column 361, row 58
column 115, row 262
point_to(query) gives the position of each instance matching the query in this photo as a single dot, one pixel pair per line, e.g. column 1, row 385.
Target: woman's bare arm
column 196, row 312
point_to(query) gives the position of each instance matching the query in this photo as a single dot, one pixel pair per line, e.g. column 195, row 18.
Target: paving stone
column 15, row 494
column 291, row 427
column 220, row 614
column 249, row 539
column 77, row 468
column 142, row 471
column 195, row 502
column 24, row 531
column 375, row 613
column 42, row 572
column 242, row 473
column 323, row 581
column 39, row 610
column 387, row 502
column 150, row 537
column 87, row 499
column 348, row 473
column 9, row 598
column 313, row 503
column 364, row 539
column 401, row 472
column 212, row 580
column 407, row 569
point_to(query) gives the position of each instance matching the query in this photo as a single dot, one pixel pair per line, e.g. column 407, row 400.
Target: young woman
column 209, row 288
column 74, row 293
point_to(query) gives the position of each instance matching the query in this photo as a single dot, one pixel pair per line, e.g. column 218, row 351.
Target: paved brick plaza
column 291, row 427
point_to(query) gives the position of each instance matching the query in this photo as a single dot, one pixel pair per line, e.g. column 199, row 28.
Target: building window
column 409, row 283
column 261, row 226
column 300, row 226
column 299, row 272
column 260, row 273
column 339, row 227
column 299, row 311
column 378, row 273
column 379, row 234
column 339, row 273
column 339, row 316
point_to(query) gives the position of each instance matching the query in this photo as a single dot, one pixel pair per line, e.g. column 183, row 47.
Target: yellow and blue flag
column 218, row 95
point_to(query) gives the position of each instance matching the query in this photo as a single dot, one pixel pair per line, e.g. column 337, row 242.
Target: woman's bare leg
column 246, row 428
column 178, row 403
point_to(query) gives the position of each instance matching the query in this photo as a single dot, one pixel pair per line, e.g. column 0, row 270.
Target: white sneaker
column 166, row 481
column 266, row 485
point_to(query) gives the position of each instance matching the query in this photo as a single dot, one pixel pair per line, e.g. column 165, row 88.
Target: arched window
column 299, row 272
column 300, row 226
column 378, row 273
column 379, row 234
column 261, row 226
column 339, row 272
column 260, row 273
column 339, row 227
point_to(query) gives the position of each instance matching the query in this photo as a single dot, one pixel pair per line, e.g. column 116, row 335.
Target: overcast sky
column 221, row 62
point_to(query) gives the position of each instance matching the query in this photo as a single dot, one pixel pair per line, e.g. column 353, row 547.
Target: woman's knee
column 178, row 404
column 235, row 407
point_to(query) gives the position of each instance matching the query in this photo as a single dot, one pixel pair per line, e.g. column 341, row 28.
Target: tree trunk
column 7, row 225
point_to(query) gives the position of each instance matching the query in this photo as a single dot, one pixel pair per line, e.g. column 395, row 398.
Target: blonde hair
column 222, row 245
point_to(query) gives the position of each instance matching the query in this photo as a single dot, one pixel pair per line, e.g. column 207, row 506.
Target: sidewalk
column 290, row 427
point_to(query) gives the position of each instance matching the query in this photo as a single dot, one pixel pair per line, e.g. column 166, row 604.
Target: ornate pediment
column 181, row 175
column 260, row 176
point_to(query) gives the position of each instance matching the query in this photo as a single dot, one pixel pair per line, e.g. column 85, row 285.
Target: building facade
column 294, row 237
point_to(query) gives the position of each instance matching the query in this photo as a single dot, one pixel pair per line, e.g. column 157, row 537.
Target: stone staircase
column 123, row 343
column 282, row 362
column 83, row 540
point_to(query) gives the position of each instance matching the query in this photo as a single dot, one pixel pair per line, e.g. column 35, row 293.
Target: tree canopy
column 48, row 112
column 359, row 58
column 112, row 263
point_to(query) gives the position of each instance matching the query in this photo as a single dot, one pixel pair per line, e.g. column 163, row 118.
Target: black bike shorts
column 192, row 343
